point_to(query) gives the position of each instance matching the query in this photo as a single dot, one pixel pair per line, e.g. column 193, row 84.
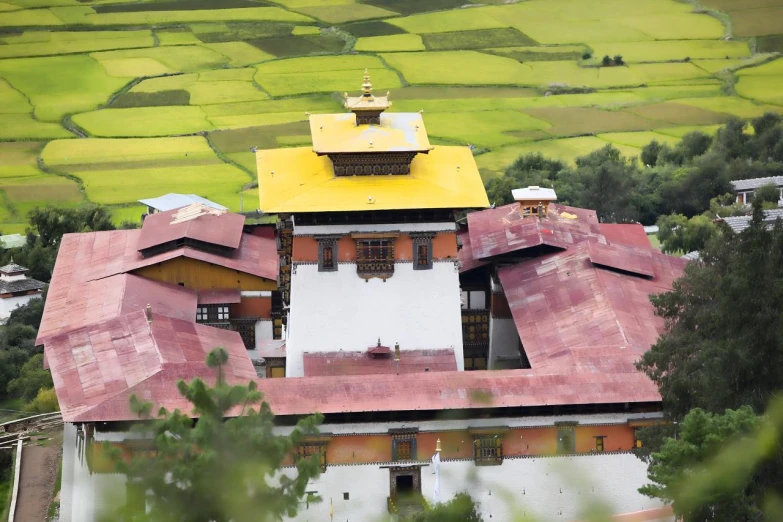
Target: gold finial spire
column 367, row 85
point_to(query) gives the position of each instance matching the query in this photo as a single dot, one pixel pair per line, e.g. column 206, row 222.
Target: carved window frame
column 403, row 445
column 310, row 447
column 369, row 266
column 422, row 241
column 488, row 445
column 325, row 243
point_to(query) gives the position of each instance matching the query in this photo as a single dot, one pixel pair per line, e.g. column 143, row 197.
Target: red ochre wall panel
column 252, row 307
column 359, row 449
column 444, row 246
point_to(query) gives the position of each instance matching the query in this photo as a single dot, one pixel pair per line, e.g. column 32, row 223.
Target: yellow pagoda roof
column 397, row 132
column 299, row 180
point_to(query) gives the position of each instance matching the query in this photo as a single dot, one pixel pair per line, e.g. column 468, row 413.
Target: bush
column 44, row 402
column 768, row 193
column 606, row 61
column 586, row 56
column 618, row 60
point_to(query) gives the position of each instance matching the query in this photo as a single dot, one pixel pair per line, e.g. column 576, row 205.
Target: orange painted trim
column 444, row 246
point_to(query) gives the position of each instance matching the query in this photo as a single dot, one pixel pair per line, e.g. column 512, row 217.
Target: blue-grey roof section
column 692, row 256
column 753, row 184
column 740, row 223
column 172, row 201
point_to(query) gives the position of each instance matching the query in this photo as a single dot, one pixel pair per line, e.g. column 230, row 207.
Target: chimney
column 148, row 313
column 534, row 200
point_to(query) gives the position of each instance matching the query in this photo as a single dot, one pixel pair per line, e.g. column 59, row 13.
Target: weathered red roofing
column 364, row 363
column 564, row 303
column 625, row 234
column 465, row 254
column 192, row 222
column 94, row 255
column 72, row 303
column 621, row 257
column 219, row 296
column 98, row 367
column 502, row 230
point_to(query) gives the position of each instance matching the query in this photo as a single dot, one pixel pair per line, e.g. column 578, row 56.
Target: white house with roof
column 745, row 189
column 16, row 289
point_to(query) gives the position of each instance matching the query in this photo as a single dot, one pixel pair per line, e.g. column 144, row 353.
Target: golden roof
column 299, row 180
column 397, row 132
column 367, row 101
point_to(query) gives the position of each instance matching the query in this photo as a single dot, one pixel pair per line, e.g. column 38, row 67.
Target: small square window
column 599, row 443
column 317, row 450
column 202, row 314
column 346, row 496
column 222, row 313
column 488, row 449
column 566, row 439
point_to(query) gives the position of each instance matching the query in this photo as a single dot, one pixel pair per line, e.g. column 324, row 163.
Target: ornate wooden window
column 314, row 448
column 403, row 445
column 202, row 314
column 375, row 257
column 566, row 437
column 275, row 367
column 488, row 449
column 222, row 312
column 422, row 251
column 637, row 442
column 327, row 254
column 475, row 329
column 599, row 443
column 212, row 313
column 246, row 327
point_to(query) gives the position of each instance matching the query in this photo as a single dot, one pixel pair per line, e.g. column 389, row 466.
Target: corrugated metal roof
column 562, row 304
column 740, row 223
column 636, row 260
column 98, row 367
column 74, row 303
column 362, row 363
column 503, row 229
column 13, row 268
column 219, row 296
column 752, row 184
column 173, row 200
column 626, row 234
column 465, row 254
column 223, row 229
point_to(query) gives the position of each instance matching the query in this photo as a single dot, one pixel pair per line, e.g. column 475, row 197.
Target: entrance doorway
column 404, row 484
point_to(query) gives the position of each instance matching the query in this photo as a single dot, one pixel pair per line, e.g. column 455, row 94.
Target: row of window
column 487, row 447
column 374, row 255
column 211, row 313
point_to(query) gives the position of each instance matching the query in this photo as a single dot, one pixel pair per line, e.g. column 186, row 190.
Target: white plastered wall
column 264, row 329
column 503, row 339
column 84, row 494
column 9, row 304
column 548, row 488
column 332, row 311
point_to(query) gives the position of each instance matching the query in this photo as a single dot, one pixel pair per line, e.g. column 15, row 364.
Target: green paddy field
column 115, row 100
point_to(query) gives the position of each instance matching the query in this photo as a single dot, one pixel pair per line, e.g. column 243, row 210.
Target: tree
column 721, row 347
column 217, row 469
column 606, row 61
column 45, row 402
column 51, row 223
column 528, row 169
column 650, row 152
column 680, row 234
column 30, row 313
column 674, row 469
column 618, row 60
column 768, row 194
column 32, row 377
column 608, row 182
column 462, row 508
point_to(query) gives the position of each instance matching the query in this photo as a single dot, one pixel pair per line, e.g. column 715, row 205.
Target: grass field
column 172, row 96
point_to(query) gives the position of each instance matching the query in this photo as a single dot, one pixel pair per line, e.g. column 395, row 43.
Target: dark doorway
column 404, row 484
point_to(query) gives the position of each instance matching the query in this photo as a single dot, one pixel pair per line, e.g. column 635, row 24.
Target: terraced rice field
column 121, row 99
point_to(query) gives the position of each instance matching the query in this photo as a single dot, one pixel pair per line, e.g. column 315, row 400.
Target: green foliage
column 32, row 377
column 215, row 468
column 151, row 99
column 674, row 469
column 51, row 223
column 677, row 233
column 721, row 346
column 461, row 508
column 30, row 314
column 650, row 153
column 606, row 61
column 45, row 402
column 618, row 60
column 767, row 194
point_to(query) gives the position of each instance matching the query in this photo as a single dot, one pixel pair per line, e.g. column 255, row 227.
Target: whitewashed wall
column 332, row 311
column 9, row 304
column 83, row 494
column 503, row 339
column 547, row 488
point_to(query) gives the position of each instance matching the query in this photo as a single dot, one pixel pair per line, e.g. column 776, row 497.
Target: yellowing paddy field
column 120, row 100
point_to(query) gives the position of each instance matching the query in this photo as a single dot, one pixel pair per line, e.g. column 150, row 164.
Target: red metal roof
column 625, row 234
column 73, row 304
column 96, row 367
column 213, row 226
column 563, row 303
column 502, row 230
column 630, row 259
column 219, row 296
column 363, row 363
column 95, row 255
column 465, row 254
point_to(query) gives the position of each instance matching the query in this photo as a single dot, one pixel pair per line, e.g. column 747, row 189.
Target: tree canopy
column 216, row 468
